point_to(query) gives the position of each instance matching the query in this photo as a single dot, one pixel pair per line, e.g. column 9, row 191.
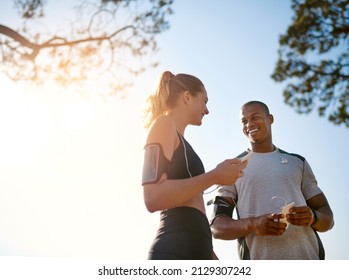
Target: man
column 272, row 176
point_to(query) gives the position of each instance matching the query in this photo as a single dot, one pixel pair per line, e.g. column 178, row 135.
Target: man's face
column 256, row 123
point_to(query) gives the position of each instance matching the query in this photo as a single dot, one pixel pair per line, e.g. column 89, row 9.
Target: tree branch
column 50, row 43
column 16, row 36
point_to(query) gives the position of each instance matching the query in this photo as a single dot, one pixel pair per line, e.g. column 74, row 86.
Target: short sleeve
column 310, row 186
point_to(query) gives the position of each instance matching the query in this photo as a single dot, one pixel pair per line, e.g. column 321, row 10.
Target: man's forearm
column 225, row 228
column 323, row 219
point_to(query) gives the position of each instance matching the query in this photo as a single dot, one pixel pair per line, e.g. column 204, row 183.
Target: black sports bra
column 185, row 163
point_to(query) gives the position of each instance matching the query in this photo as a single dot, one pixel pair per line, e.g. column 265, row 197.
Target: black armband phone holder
column 222, row 207
column 155, row 163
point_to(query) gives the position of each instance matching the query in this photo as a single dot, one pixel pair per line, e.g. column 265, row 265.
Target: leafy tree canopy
column 314, row 59
column 105, row 41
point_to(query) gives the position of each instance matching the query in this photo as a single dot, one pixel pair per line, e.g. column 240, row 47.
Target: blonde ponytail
column 156, row 104
column 166, row 95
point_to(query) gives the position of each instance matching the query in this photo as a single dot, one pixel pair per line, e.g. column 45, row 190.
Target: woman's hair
column 167, row 92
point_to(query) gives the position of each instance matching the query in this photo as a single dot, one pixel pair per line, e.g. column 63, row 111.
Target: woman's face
column 198, row 108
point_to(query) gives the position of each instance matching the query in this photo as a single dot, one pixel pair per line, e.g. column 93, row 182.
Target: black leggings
column 184, row 234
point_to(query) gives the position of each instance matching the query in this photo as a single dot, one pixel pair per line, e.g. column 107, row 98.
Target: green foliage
column 30, row 9
column 314, row 59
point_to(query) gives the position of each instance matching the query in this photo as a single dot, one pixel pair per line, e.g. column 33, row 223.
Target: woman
column 173, row 175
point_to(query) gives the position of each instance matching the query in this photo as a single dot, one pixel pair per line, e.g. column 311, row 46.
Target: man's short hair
column 259, row 103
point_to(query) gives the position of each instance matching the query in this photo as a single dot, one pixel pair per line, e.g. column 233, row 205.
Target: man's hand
column 269, row 225
column 301, row 216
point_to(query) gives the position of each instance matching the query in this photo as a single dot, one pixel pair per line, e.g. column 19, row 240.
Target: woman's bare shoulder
column 161, row 130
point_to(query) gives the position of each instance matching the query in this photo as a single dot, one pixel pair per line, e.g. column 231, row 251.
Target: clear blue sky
column 70, row 165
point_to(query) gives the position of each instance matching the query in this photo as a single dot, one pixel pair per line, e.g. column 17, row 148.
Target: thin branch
column 50, row 43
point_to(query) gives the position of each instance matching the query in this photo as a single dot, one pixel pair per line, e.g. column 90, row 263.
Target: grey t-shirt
column 270, row 181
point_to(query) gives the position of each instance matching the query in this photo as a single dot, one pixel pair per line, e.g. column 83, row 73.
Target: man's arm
column 317, row 214
column 226, row 228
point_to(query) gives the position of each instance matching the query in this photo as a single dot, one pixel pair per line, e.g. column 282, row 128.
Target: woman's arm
column 165, row 193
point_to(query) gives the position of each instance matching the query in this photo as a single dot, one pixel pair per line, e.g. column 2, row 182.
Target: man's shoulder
column 292, row 154
column 242, row 154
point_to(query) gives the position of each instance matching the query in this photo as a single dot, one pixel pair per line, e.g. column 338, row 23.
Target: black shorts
column 184, row 234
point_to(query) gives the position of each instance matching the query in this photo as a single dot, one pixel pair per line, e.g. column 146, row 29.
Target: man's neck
column 262, row 148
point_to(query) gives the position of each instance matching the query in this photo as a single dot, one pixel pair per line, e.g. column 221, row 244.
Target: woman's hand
column 228, row 171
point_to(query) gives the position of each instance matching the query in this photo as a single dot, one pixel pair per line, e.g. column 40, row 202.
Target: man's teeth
column 253, row 131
